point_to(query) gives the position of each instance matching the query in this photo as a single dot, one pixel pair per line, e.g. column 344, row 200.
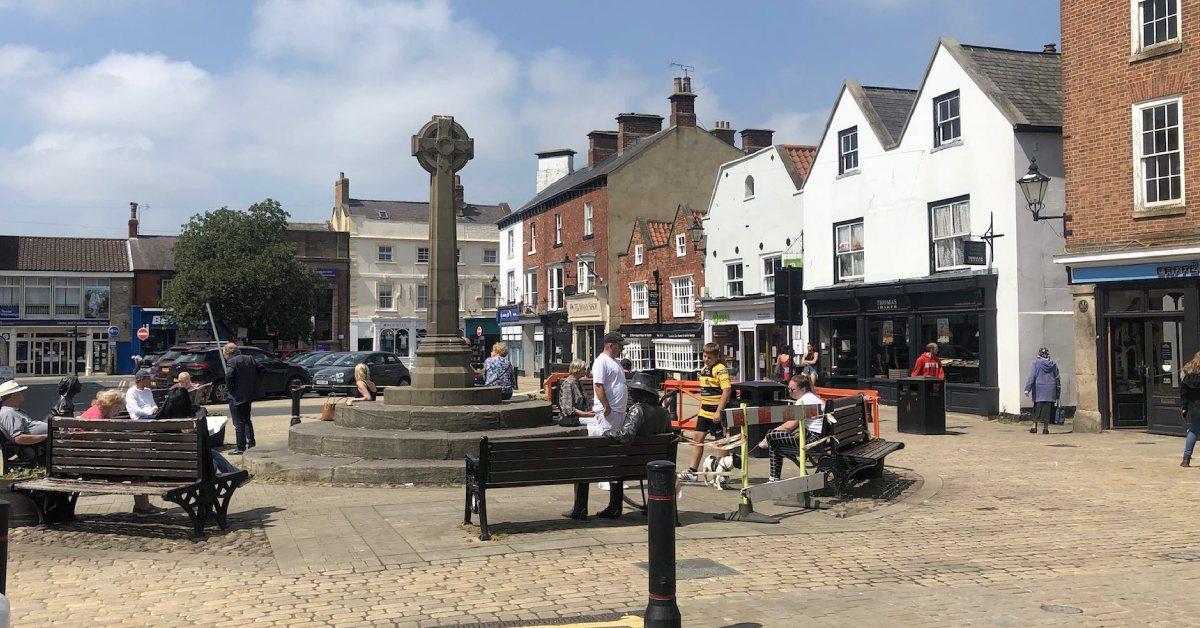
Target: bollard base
column 745, row 512
column 662, row 614
column 295, row 420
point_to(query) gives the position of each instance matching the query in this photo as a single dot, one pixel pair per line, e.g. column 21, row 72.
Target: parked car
column 205, row 366
column 161, row 369
column 323, row 361
column 386, row 370
column 294, row 356
column 309, row 359
column 149, row 359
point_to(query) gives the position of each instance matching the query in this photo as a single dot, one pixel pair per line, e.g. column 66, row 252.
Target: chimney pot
column 724, row 132
column 341, row 191
column 756, row 139
column 1053, row 48
column 133, row 220
column 601, row 145
column 683, row 103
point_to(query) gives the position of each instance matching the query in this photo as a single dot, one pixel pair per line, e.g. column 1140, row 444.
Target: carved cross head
column 442, row 146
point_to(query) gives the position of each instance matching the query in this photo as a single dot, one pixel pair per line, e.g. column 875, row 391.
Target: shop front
column 523, row 335
column 1146, row 325
column 868, row 336
column 58, row 348
column 163, row 333
column 746, row 332
column 556, row 342
column 401, row 337
column 588, row 315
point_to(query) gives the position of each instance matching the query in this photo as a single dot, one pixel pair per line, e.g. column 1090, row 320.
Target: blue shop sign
column 329, row 273
column 510, row 314
column 10, row 311
column 1134, row 272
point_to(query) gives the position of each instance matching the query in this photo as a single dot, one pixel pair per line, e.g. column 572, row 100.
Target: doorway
column 747, row 358
column 1146, row 356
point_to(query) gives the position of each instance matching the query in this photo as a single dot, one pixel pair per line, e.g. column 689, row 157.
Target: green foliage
column 238, row 262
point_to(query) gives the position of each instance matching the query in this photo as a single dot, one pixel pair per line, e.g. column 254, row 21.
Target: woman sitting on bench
column 783, row 440
column 105, row 407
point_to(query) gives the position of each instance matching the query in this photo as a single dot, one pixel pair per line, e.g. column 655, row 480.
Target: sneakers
column 151, row 510
column 771, row 479
column 721, row 482
column 689, row 477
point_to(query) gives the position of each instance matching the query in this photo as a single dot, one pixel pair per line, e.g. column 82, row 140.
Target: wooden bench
column 846, row 448
column 168, row 458
column 506, row 463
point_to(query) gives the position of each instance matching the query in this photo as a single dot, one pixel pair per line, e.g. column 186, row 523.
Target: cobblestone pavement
column 1004, row 528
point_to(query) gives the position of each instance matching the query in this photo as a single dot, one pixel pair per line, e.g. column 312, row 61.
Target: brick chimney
column 341, row 191
column 724, row 132
column 683, row 103
column 756, row 139
column 553, row 165
column 601, row 145
column 133, row 221
column 632, row 127
column 1050, row 48
column 459, row 203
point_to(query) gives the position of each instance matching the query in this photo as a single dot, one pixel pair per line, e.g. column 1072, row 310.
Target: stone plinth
column 472, row 418
column 421, row 396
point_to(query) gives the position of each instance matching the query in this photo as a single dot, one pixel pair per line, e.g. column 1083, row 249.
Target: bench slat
column 537, row 476
column 150, row 473
column 597, row 449
column 591, row 462
column 124, row 463
column 101, row 487
column 873, row 450
column 560, row 442
column 549, row 482
column 124, row 454
column 126, row 425
column 138, row 445
column 156, row 437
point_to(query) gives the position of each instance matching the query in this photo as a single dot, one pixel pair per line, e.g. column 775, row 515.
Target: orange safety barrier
column 690, row 388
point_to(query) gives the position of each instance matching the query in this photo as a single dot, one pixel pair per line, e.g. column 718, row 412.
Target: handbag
column 327, row 410
column 1060, row 415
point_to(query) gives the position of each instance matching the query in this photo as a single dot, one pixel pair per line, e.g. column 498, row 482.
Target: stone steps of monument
column 281, row 464
column 513, row 414
column 325, row 438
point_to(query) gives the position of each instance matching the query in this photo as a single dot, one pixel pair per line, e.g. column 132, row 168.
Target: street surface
column 987, row 525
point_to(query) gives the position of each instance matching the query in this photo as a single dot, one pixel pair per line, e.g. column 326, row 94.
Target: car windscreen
column 188, row 358
column 350, row 359
column 327, row 360
column 311, row 358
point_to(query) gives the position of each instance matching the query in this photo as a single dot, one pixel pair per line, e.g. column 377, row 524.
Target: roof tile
column 72, row 254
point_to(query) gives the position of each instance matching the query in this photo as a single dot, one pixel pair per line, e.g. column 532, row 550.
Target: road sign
column 143, row 333
column 114, row 332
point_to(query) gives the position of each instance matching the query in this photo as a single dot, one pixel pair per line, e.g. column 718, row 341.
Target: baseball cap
column 614, row 338
column 143, row 374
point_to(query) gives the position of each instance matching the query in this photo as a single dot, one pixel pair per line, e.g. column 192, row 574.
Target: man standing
column 928, row 365
column 608, row 379
column 243, row 374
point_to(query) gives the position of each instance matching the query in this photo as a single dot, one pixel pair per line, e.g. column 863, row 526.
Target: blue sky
column 187, row 106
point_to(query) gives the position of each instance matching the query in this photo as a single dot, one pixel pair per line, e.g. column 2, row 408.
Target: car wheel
column 220, row 392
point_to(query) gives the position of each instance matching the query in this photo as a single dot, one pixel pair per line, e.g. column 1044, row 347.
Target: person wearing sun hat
column 18, row 426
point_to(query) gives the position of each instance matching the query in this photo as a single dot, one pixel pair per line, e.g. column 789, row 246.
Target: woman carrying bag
column 1044, row 386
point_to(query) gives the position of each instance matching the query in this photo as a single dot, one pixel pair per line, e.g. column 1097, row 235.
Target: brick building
column 561, row 303
column 1133, row 241
column 659, row 278
column 327, row 251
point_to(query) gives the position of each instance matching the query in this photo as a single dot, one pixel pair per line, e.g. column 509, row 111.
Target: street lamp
column 697, row 233
column 1033, row 186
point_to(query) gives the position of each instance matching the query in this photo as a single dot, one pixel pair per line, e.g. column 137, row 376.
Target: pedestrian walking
column 1044, row 386
column 243, row 374
column 928, row 364
column 715, row 390
column 1189, row 393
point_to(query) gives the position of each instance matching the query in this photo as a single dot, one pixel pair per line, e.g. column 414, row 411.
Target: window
column 383, row 292
column 384, row 253
column 1157, row 22
column 749, row 188
column 10, row 297
column 681, row 296
column 586, row 277
column 162, row 286
column 387, row 340
column 770, row 265
column 554, row 287
column 640, row 353
column 422, row 297
column 848, row 249
column 946, row 123
column 957, row 337
column 839, row 346
column 383, row 215
column 510, row 288
column 490, row 256
column 558, row 228
column 37, row 296
column 587, row 219
column 423, row 254
column 637, row 254
column 951, row 227
column 531, row 292
column 680, row 245
column 733, row 279
column 1159, row 152
column 532, row 238
column 457, row 256
column 678, row 355
column 512, row 240
column 848, row 150
column 489, row 296
column 638, row 301
column 889, row 347
column 67, row 297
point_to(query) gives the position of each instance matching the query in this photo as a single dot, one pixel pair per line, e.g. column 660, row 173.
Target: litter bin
column 921, row 406
column 758, row 393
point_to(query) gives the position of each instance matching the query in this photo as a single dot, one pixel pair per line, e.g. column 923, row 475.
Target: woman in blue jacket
column 1044, row 386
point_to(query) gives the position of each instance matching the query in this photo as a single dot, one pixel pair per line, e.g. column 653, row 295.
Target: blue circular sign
column 114, row 332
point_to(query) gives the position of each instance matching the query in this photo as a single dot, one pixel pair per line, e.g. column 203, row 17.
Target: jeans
column 222, row 465
column 1192, row 434
column 239, row 413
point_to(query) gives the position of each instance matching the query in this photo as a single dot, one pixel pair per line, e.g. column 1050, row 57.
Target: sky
column 186, row 106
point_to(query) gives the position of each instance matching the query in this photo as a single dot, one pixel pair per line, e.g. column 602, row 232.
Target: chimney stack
column 724, row 132
column 1051, row 48
column 341, row 191
column 553, row 165
column 632, row 127
column 683, row 103
column 133, row 221
column 601, row 145
column 756, row 139
column 459, row 203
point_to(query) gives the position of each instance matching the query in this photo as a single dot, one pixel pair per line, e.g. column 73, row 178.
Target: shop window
column 512, row 337
column 1124, row 300
column 402, row 342
column 387, row 340
column 889, row 348
column 96, row 297
column 958, row 340
column 683, row 356
column 1166, row 300
column 641, row 354
column 839, row 346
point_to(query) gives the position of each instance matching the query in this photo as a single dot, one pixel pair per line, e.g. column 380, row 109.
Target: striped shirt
column 714, row 380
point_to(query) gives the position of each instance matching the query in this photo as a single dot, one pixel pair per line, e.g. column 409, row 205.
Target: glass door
column 1165, row 352
column 1146, row 358
column 1127, row 354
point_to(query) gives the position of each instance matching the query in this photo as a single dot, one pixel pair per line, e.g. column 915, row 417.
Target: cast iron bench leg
column 481, row 497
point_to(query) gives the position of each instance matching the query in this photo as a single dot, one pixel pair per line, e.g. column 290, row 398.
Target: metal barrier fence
column 686, row 389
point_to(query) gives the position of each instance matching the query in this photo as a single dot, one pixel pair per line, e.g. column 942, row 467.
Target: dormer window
column 848, row 150
column 947, row 126
column 383, row 215
column 749, row 188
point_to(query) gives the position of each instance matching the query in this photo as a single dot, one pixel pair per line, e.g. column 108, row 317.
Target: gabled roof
column 656, row 232
column 153, row 252
column 888, row 108
column 418, row 211
column 1025, row 85
column 64, row 254
column 799, row 160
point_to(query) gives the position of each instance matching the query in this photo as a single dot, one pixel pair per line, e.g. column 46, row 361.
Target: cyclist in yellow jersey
column 715, row 391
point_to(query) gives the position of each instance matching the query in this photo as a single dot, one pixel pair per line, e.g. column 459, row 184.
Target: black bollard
column 296, row 392
column 662, row 611
column 4, row 506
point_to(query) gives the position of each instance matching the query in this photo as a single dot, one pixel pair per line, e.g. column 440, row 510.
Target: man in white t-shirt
column 612, row 393
column 139, row 399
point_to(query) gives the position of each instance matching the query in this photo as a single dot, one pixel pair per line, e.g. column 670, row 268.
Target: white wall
column 514, row 264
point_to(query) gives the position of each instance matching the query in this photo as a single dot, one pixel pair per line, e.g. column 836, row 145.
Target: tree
column 239, row 263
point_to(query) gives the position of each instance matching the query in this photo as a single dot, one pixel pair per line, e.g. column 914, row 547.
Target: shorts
column 710, row 426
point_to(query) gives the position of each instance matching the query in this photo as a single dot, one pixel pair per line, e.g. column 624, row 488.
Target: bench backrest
column 850, row 427
column 173, row 450
column 565, row 460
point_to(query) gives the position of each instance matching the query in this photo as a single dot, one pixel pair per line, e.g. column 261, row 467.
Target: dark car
column 386, row 370
column 309, row 358
column 295, row 356
column 161, row 369
column 326, row 360
column 205, row 366
column 149, row 359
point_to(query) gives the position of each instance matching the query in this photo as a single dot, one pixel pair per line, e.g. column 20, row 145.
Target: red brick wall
column 1100, row 85
column 147, row 288
column 573, row 242
column 668, row 264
